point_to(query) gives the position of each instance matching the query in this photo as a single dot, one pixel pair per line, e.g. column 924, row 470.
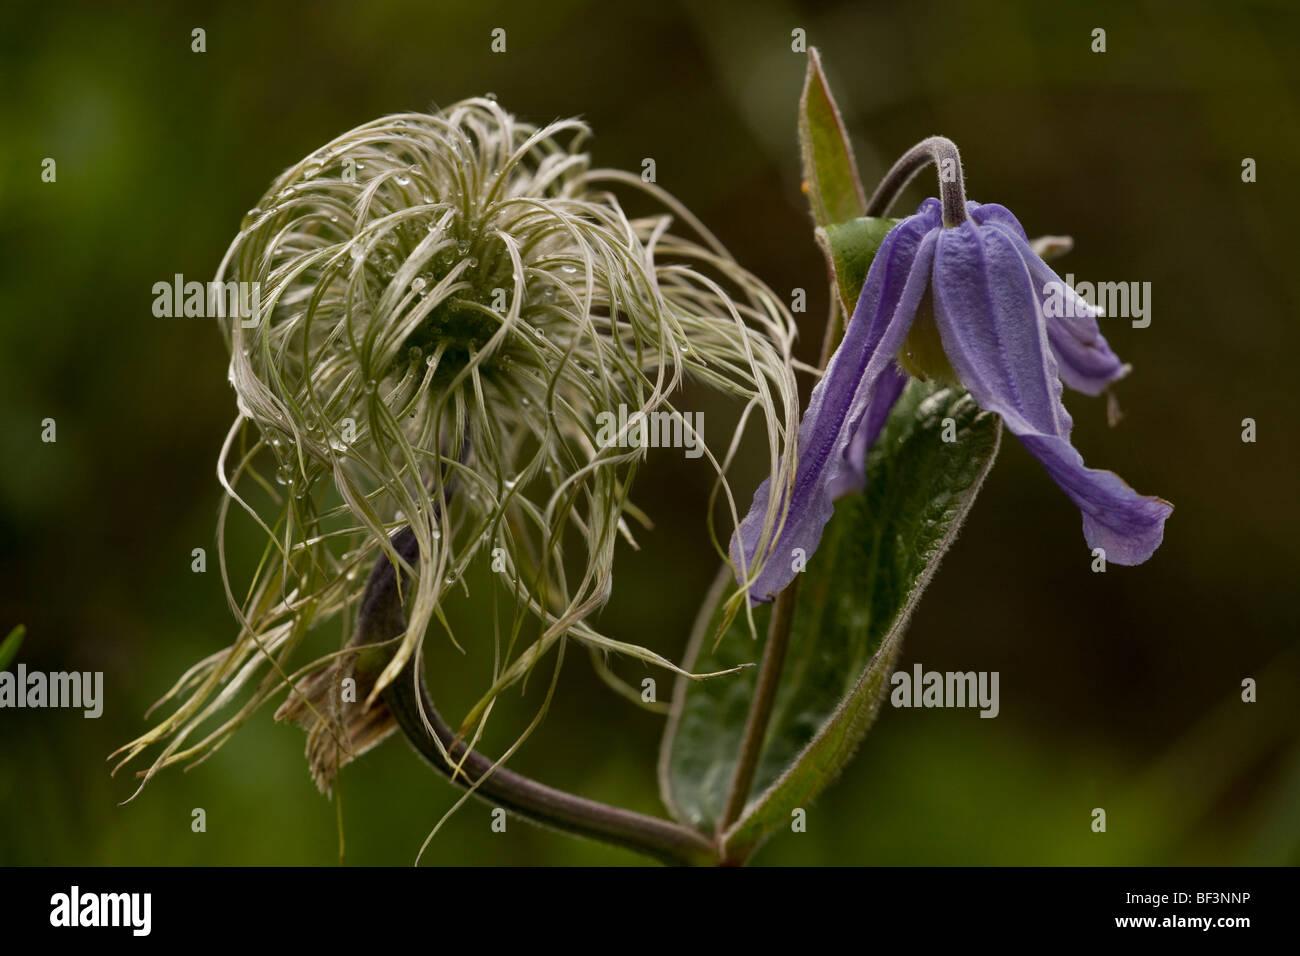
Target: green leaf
column 9, row 646
column 830, row 174
column 875, row 561
column 849, row 248
column 877, row 555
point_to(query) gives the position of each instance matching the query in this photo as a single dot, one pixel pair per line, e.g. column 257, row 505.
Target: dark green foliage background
column 1118, row 690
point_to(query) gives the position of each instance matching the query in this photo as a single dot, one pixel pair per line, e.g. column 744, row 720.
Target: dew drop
column 403, row 180
column 418, row 283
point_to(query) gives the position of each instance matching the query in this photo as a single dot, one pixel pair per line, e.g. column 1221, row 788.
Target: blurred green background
column 1118, row 690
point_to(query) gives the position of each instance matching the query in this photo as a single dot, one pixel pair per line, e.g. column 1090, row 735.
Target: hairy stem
column 952, row 189
column 382, row 618
column 760, row 708
column 952, row 195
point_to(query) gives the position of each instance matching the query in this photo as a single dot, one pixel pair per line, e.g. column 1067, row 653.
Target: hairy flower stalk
column 448, row 302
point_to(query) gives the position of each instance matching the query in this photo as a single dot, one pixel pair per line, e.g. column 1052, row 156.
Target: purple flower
column 981, row 287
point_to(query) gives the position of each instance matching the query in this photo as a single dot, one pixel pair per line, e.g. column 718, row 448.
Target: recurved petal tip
column 997, row 339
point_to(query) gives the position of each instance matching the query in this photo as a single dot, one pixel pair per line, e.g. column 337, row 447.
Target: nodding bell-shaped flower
column 956, row 292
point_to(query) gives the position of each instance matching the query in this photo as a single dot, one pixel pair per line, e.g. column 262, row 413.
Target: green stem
column 952, row 190
column 938, row 150
column 760, row 708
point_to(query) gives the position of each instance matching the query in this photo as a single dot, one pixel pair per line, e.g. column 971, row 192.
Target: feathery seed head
column 448, row 302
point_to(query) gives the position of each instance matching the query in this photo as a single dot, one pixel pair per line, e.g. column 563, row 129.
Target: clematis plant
column 443, row 336
column 947, row 330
